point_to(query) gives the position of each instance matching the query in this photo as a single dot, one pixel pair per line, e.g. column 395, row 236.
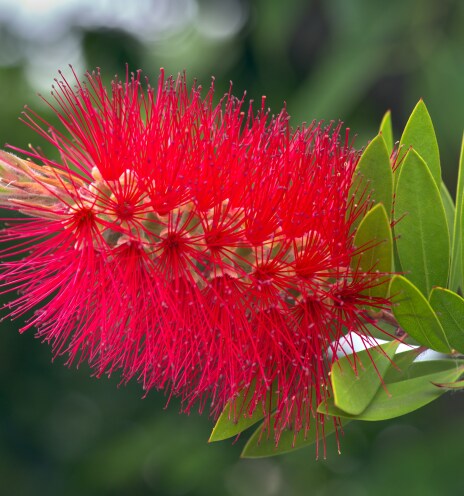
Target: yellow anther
column 96, row 174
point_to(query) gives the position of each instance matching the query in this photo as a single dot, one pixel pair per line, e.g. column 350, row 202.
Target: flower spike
column 202, row 248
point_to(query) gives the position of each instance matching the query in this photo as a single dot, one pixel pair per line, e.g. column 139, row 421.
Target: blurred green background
column 65, row 433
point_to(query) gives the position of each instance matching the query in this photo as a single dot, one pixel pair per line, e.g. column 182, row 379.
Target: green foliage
column 421, row 226
column 401, row 365
column 450, row 210
column 381, row 330
column 373, row 175
column 356, row 378
column 420, row 135
column 415, row 315
column 457, row 250
column 429, row 367
column 386, row 130
column 262, row 444
column 374, row 238
column 449, row 308
column 401, row 397
column 376, row 383
column 236, row 416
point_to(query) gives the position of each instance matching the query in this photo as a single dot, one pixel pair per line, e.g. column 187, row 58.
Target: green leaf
column 374, row 176
column 381, row 330
column 401, row 364
column 403, row 397
column 415, row 315
column 430, row 367
column 356, row 378
column 386, row 332
column 461, row 236
column 448, row 205
column 420, row 134
column 421, row 228
column 396, row 258
column 457, row 251
column 262, row 442
column 386, row 130
column 449, row 308
column 374, row 238
column 236, row 417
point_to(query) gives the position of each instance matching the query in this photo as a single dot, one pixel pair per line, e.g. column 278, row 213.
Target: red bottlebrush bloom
column 199, row 247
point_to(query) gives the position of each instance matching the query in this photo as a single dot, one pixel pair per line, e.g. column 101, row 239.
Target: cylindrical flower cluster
column 201, row 247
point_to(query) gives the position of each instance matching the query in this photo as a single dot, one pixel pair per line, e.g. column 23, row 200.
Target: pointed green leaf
column 236, row 416
column 356, row 378
column 449, row 308
column 396, row 258
column 403, row 397
column 448, row 204
column 386, row 130
column 404, row 366
column 262, row 443
column 461, row 237
column 401, row 365
column 415, row 315
column 430, row 367
column 420, row 134
column 457, row 252
column 374, row 238
column 374, row 176
column 421, row 228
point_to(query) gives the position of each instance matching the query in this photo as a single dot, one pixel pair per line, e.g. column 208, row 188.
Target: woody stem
column 388, row 317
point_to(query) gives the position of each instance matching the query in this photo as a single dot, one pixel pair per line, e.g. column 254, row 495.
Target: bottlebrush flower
column 201, row 248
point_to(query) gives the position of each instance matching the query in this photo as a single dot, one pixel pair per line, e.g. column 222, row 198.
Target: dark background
column 65, row 433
